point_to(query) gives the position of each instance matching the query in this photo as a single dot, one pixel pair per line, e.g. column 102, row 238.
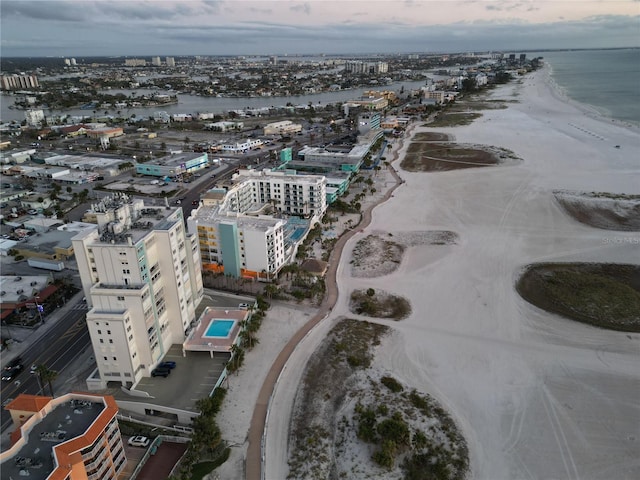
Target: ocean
column 605, row 80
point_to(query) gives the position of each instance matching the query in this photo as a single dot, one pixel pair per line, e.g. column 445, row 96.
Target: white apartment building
column 171, row 62
column 141, row 274
column 34, row 117
column 155, row 61
column 282, row 128
column 238, row 235
column 289, row 193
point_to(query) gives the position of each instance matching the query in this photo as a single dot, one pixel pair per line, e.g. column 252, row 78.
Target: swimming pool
column 298, row 233
column 219, row 328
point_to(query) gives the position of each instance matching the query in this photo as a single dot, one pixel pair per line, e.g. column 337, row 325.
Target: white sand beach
column 537, row 396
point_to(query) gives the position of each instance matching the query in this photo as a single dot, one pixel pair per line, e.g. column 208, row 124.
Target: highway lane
column 56, row 350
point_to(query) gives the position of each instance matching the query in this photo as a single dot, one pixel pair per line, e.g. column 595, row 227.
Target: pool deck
column 197, row 341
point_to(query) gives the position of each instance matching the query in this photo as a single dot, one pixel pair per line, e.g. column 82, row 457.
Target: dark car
column 161, row 372
column 16, row 361
column 170, row 365
column 11, row 373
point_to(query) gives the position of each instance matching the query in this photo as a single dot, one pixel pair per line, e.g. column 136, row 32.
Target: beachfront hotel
column 72, row 437
column 238, row 232
column 141, row 274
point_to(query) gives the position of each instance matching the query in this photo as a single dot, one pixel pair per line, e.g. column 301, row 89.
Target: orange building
column 72, row 437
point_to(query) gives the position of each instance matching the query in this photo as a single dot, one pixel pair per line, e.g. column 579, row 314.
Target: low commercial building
column 37, row 201
column 174, row 166
column 52, row 245
column 285, row 127
column 224, row 126
column 242, row 147
column 370, row 103
column 99, row 133
column 72, row 437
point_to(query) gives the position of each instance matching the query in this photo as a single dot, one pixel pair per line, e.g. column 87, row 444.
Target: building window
column 120, row 298
column 108, row 332
column 110, row 340
column 101, row 341
column 99, row 332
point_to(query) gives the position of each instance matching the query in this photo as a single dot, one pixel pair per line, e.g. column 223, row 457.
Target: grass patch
column 379, row 304
column 426, row 157
column 457, row 119
column 603, row 295
column 432, row 137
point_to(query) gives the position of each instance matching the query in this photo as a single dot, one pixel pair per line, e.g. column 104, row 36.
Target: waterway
column 197, row 104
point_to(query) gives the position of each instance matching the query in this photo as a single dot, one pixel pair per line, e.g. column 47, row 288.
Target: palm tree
column 46, row 375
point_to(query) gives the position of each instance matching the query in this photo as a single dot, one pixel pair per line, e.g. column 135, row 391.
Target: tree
column 47, row 376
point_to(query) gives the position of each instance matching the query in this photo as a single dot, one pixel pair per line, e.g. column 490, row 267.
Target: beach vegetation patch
column 432, row 137
column 430, row 157
column 608, row 211
column 454, row 119
column 379, row 304
column 602, row 295
column 387, row 253
column 351, row 420
column 374, row 256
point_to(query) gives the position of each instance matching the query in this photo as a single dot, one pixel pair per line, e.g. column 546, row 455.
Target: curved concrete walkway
column 253, row 466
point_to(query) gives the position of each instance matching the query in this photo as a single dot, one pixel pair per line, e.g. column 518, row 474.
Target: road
column 62, row 343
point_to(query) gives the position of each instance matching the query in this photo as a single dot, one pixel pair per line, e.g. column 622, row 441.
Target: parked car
column 139, row 441
column 161, row 372
column 168, row 364
column 12, row 373
column 243, row 306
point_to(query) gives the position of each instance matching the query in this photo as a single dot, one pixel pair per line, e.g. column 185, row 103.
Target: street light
column 40, row 309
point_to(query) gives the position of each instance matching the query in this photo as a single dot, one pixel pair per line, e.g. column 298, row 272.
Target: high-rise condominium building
column 141, row 274
column 72, row 437
column 155, row 61
column 19, row 82
column 171, row 62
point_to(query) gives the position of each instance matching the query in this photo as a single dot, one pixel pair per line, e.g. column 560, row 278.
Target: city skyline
column 218, row 27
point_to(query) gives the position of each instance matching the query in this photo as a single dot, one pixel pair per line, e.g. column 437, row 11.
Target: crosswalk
column 80, row 306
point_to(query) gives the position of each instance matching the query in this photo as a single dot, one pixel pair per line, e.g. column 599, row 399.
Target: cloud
column 301, row 8
column 63, row 11
column 204, row 27
column 265, row 11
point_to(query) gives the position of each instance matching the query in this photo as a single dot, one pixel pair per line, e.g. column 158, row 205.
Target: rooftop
column 71, row 418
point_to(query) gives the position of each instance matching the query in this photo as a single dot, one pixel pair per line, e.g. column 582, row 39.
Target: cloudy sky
column 236, row 27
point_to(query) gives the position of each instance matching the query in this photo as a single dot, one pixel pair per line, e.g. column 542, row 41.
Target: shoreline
column 560, row 93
